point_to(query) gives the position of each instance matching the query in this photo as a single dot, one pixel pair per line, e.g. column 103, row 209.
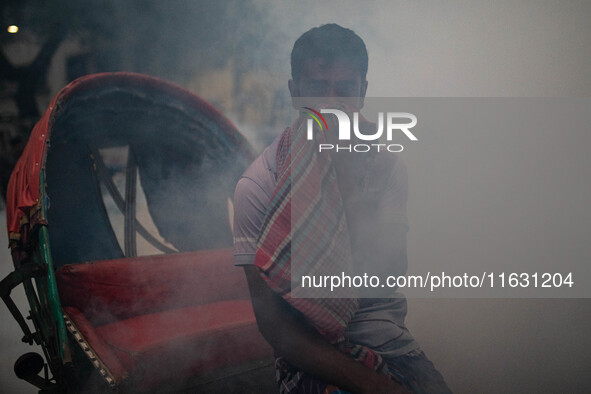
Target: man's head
column 329, row 61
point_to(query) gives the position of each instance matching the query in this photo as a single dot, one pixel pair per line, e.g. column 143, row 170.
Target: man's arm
column 290, row 335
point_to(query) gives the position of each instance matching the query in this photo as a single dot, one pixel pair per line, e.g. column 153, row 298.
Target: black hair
column 330, row 42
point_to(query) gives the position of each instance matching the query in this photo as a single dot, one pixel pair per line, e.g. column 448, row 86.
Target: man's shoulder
column 262, row 171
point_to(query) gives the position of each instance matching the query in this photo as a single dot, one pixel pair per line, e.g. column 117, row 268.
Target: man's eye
column 347, row 90
column 317, row 89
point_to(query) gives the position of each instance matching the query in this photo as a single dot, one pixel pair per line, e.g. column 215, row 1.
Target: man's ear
column 294, row 91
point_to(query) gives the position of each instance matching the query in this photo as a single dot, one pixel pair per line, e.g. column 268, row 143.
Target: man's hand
column 293, row 338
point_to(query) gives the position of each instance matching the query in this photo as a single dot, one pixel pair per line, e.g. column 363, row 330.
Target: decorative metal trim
column 94, row 359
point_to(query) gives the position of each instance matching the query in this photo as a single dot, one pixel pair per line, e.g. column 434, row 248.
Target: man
column 330, row 62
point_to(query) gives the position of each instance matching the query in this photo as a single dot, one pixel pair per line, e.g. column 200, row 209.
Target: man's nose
column 332, row 91
column 332, row 96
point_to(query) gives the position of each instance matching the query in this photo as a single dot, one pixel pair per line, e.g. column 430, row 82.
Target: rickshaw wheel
column 29, row 364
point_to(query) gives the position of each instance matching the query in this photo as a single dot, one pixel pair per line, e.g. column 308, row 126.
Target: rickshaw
column 119, row 218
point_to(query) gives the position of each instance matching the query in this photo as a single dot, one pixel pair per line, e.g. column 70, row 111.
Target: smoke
column 525, row 49
column 435, row 49
column 453, row 49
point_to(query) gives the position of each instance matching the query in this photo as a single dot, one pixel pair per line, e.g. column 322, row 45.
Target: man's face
column 339, row 78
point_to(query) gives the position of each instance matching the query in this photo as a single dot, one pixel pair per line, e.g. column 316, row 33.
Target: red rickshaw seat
column 155, row 318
